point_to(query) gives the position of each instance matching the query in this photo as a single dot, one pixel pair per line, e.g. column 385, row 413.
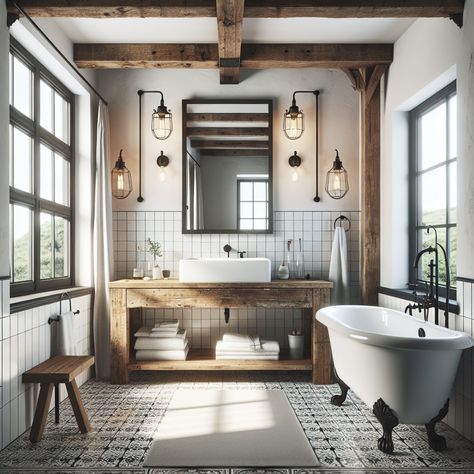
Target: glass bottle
column 285, row 268
column 299, row 262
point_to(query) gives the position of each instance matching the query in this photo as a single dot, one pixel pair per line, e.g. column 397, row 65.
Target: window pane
column 453, row 148
column 46, row 106
column 246, row 193
column 22, row 90
column 260, row 210
column 433, row 137
column 46, row 246
column 61, row 118
column 245, row 210
column 433, row 197
column 453, row 247
column 260, row 191
column 260, row 224
column 452, row 192
column 46, row 173
column 10, row 78
column 61, row 180
column 22, row 150
column 61, row 246
column 22, row 243
column 246, row 224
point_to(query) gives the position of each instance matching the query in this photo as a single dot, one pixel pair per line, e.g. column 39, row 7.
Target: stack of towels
column 244, row 347
column 164, row 341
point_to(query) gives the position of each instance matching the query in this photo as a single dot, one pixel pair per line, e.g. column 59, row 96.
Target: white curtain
column 103, row 257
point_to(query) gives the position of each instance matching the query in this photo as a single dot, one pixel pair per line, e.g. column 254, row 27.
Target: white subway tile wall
column 461, row 403
column 25, row 339
column 206, row 326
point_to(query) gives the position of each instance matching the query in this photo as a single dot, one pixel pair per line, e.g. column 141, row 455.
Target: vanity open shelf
column 129, row 296
column 204, row 359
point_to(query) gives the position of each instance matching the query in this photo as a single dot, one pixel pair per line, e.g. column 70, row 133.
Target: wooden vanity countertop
column 175, row 283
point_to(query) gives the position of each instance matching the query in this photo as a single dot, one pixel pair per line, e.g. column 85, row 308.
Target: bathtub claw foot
column 436, row 441
column 338, row 400
column 388, row 420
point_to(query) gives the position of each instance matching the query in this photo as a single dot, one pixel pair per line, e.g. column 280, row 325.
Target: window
column 252, row 198
column 41, row 183
column 433, row 182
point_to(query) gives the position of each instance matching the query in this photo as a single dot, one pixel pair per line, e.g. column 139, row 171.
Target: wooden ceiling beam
column 253, row 8
column 223, row 144
column 234, row 152
column 230, row 15
column 227, row 117
column 227, row 131
column 254, row 56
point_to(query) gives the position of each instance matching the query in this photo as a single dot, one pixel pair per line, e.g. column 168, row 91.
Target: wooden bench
column 58, row 369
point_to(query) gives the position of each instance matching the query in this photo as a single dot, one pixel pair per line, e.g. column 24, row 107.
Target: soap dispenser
column 284, row 269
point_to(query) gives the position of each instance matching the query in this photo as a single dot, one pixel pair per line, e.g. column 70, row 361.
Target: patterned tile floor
column 125, row 418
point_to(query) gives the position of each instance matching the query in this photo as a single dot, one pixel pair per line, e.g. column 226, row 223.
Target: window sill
column 23, row 303
column 406, row 294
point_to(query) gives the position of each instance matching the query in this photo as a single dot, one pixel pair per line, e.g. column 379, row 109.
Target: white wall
column 339, row 120
column 466, row 146
column 424, row 62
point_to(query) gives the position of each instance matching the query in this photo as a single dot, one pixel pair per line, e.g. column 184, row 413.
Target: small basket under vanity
column 129, row 296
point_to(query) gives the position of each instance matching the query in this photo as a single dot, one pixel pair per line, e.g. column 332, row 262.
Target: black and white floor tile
column 125, row 418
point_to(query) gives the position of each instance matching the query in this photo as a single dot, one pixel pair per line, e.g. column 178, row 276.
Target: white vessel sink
column 225, row 270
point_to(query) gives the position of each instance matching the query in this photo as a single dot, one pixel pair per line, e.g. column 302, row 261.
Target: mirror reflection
column 227, row 166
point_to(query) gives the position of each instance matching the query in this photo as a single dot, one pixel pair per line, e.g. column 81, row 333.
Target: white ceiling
column 256, row 30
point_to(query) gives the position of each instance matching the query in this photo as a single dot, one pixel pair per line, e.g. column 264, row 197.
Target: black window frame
column 32, row 200
column 267, row 201
column 414, row 226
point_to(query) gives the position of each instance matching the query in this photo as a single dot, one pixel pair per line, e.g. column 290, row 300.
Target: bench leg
column 41, row 412
column 78, row 407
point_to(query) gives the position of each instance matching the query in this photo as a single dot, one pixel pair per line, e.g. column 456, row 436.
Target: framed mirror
column 227, row 166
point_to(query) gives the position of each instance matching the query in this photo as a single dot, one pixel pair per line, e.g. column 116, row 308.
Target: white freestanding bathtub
column 378, row 353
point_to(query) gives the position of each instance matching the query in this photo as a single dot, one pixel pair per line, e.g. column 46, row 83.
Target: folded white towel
column 147, row 332
column 249, row 357
column 162, row 355
column 160, row 343
column 166, row 325
column 253, row 355
column 242, row 339
column 266, row 346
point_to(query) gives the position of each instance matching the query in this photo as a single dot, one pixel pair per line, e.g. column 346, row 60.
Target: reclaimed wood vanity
column 129, row 296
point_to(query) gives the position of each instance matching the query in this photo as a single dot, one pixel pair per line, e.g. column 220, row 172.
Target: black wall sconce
column 295, row 162
column 293, row 127
column 337, row 182
column 162, row 161
column 161, row 127
column 121, row 179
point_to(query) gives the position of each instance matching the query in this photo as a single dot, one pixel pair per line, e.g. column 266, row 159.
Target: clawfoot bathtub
column 403, row 373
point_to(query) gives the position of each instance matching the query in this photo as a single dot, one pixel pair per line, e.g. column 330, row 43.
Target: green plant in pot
column 154, row 247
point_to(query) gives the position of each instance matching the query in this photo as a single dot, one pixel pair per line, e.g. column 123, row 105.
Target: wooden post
column 119, row 336
column 370, row 184
column 321, row 349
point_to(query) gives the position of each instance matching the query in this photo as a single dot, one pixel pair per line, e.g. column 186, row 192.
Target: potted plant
column 154, row 248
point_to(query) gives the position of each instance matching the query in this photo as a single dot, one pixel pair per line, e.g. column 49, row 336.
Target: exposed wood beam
column 227, row 131
column 222, row 144
column 370, row 184
column 227, row 117
column 254, row 56
column 234, row 152
column 230, row 14
column 253, row 8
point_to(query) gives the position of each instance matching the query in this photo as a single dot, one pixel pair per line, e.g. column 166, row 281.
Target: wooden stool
column 58, row 369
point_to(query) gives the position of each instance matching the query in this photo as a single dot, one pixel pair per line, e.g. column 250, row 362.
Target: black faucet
column 431, row 297
column 228, row 249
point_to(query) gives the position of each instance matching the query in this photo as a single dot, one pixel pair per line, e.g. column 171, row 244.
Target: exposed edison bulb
column 294, row 174
column 162, row 175
column 120, row 181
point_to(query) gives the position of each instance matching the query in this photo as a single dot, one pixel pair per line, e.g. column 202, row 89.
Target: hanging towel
column 63, row 331
column 339, row 268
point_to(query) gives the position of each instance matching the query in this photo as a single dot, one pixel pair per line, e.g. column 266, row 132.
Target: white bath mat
column 219, row 428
